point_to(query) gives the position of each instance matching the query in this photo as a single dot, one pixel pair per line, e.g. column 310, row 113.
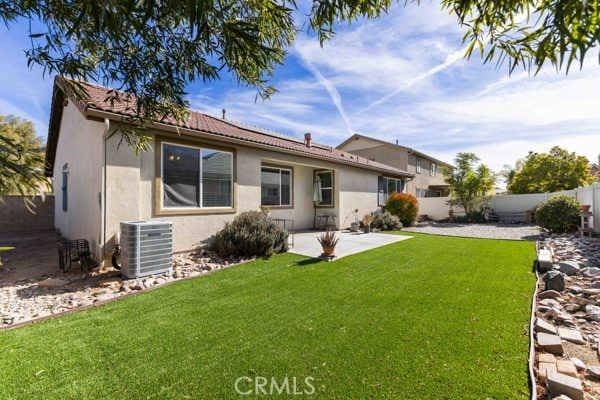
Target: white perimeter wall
column 437, row 207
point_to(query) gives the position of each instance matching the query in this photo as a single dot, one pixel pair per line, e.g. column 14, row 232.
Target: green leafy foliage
column 404, row 206
column 529, row 34
column 250, row 234
column 387, row 221
column 550, row 172
column 559, row 214
column 153, row 49
column 21, row 158
column 470, row 182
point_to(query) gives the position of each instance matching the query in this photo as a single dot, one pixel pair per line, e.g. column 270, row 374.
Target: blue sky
column 402, row 77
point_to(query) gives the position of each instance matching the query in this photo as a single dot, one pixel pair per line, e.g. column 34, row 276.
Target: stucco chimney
column 307, row 139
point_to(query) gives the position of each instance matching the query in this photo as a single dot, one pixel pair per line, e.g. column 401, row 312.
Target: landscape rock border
column 565, row 324
column 57, row 294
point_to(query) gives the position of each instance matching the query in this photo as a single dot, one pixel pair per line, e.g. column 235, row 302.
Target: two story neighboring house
column 428, row 179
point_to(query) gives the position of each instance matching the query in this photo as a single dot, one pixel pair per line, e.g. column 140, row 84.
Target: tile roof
column 203, row 123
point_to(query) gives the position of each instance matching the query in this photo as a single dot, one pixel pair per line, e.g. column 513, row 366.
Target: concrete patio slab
column 306, row 244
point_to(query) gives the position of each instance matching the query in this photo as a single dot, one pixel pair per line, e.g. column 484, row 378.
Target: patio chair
column 75, row 250
column 326, row 221
column 288, row 226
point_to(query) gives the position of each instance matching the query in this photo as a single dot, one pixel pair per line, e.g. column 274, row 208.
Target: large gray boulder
column 569, row 267
column 554, row 280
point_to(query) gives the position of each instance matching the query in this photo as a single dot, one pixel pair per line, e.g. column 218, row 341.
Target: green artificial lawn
column 428, row 318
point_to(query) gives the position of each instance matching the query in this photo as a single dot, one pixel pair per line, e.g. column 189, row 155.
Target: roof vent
column 307, row 139
column 224, row 111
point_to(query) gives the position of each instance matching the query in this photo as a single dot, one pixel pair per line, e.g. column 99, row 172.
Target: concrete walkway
column 306, row 244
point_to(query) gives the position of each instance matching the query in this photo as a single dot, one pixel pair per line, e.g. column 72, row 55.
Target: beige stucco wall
column 357, row 190
column 423, row 180
column 79, row 146
column 399, row 157
column 130, row 192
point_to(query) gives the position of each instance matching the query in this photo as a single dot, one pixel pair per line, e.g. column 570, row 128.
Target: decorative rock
column 550, row 343
column 52, row 283
column 544, row 260
column 593, row 371
column 571, row 335
column 591, row 291
column 575, row 289
column 562, row 397
column 550, row 303
column 571, row 307
column 566, row 367
column 591, row 272
column 548, row 294
column 580, row 365
column 545, row 369
column 546, row 357
column 564, row 384
column 569, row 267
column 593, row 312
column 554, row 281
column 544, row 326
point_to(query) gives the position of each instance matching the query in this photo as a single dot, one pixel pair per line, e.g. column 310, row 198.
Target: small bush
column 250, row 234
column 473, row 217
column 559, row 214
column 387, row 222
column 403, row 205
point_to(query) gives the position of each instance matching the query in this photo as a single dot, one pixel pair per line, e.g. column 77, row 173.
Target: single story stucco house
column 198, row 175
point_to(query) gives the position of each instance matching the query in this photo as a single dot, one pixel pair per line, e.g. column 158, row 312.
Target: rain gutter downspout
column 105, row 138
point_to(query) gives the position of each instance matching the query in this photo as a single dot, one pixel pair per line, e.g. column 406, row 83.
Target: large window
column 195, row 177
column 325, row 180
column 387, row 186
column 276, row 186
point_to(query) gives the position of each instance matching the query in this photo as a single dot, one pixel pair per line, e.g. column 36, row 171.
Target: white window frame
column 418, row 165
column 291, row 171
column 201, row 186
column 332, row 187
column 433, row 169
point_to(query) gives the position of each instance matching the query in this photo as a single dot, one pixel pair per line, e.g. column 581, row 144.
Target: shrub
column 473, row 217
column 387, row 222
column 403, row 205
column 250, row 234
column 559, row 214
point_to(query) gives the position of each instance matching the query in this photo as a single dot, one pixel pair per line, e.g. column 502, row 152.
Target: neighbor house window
column 326, row 183
column 194, row 177
column 418, row 165
column 433, row 169
column 275, row 186
column 387, row 186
